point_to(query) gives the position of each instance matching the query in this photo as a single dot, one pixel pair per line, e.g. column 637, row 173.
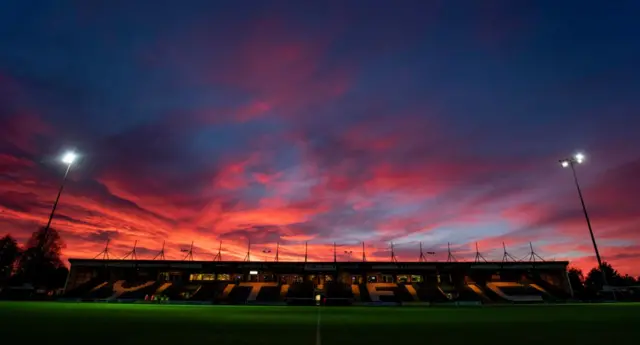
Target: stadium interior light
column 69, row 158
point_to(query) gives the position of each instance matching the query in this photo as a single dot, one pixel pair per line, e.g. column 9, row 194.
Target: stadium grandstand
column 309, row 283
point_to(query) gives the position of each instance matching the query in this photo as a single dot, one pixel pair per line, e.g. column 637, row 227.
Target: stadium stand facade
column 330, row 283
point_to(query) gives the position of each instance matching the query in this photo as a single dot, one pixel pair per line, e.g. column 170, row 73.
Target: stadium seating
column 552, row 293
column 269, row 294
column 83, row 289
column 103, row 290
column 301, row 290
column 181, row 292
column 481, row 288
column 512, row 292
column 338, row 290
column 338, row 294
column 208, row 292
column 430, row 292
column 301, row 293
column 403, row 294
column 134, row 290
column 363, row 292
column 466, row 293
column 238, row 295
column 449, row 291
column 382, row 292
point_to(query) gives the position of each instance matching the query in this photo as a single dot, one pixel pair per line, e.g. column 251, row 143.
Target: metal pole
column 586, row 216
column 55, row 204
column 334, row 252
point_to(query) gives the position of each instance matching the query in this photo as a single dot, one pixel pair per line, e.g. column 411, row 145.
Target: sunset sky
column 339, row 121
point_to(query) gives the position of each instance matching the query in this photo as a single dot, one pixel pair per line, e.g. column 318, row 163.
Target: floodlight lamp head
column 69, row 158
column 579, row 157
column 564, row 163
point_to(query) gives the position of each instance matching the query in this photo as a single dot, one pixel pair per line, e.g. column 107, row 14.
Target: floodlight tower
column 571, row 162
column 68, row 158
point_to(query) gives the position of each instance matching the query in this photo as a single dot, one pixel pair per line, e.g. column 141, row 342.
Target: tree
column 41, row 259
column 593, row 281
column 59, row 277
column 576, row 279
column 628, row 280
column 9, row 254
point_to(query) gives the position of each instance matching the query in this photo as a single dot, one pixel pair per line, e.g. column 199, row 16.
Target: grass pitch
column 117, row 324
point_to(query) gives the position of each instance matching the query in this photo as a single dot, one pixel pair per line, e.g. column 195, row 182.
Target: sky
column 298, row 122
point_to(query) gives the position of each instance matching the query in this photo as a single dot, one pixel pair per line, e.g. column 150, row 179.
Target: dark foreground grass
column 116, row 324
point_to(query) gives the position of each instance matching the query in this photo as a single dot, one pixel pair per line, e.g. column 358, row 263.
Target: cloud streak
column 280, row 127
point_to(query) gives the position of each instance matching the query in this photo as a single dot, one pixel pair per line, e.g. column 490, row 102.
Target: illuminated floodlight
column 69, row 158
column 579, row 158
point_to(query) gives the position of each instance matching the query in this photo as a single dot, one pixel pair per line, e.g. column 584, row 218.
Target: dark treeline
column 37, row 264
column 588, row 287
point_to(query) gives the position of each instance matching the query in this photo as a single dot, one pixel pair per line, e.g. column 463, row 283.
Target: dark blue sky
column 341, row 121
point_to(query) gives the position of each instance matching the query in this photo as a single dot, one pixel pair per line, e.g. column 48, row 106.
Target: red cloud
column 22, row 129
column 380, row 174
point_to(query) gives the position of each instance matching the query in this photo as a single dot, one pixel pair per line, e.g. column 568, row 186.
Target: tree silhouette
column 58, row 277
column 9, row 254
column 627, row 280
column 593, row 282
column 41, row 259
column 576, row 279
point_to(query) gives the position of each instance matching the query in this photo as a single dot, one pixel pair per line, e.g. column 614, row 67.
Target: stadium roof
column 320, row 266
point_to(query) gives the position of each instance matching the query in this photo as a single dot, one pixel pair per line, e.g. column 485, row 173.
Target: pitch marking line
column 318, row 337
